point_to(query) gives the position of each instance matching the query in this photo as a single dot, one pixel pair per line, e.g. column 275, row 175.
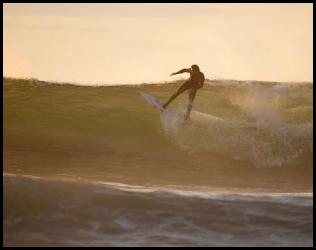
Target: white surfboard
column 156, row 103
column 168, row 114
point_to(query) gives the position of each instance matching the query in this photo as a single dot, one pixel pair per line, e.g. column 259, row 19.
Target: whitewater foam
column 194, row 192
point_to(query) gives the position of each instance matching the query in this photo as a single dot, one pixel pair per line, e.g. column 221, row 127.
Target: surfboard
column 156, row 103
column 199, row 118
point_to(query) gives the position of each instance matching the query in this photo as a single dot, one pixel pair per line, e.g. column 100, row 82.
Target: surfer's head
column 195, row 68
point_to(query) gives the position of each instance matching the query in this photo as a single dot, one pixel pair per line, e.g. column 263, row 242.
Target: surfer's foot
column 165, row 105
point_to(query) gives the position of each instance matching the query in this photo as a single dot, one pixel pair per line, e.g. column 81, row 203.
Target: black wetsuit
column 196, row 81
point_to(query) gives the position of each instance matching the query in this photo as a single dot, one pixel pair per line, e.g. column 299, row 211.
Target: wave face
column 243, row 137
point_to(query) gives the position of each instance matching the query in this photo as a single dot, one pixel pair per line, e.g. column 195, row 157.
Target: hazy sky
column 134, row 43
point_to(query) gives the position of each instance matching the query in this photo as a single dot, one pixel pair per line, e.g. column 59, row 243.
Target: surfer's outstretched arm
column 181, row 71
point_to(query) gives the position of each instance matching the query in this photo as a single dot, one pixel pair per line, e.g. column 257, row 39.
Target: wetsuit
column 196, row 81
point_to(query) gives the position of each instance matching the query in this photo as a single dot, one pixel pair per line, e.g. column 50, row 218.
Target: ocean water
column 97, row 166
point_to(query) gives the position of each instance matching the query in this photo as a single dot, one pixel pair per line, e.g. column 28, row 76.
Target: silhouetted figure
column 194, row 83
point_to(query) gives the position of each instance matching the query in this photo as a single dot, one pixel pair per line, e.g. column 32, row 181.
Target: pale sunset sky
column 135, row 43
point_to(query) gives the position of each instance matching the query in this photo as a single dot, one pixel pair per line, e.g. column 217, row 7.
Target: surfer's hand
column 172, row 74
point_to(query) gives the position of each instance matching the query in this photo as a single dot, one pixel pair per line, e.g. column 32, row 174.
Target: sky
column 135, row 43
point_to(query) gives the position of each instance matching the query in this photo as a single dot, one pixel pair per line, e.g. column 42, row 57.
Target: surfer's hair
column 195, row 67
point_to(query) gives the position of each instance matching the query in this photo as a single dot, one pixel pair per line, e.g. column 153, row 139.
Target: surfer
column 194, row 83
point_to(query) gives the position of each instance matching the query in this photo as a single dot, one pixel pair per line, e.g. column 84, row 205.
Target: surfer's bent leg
column 191, row 99
column 182, row 88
